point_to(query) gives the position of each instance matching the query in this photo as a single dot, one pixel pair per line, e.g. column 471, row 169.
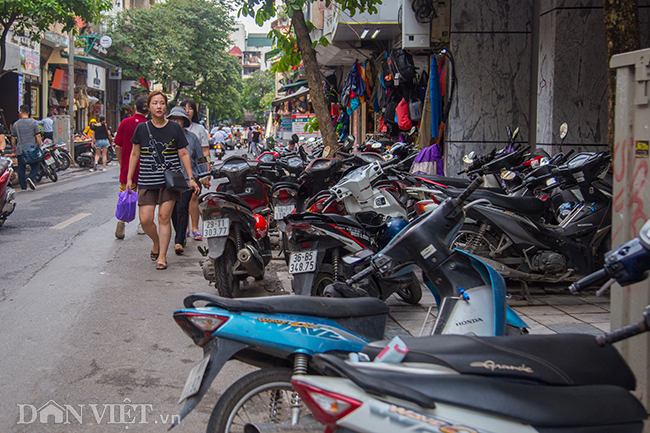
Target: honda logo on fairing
column 469, row 321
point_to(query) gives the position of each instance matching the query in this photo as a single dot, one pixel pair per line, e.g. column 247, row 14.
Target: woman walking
column 195, row 127
column 158, row 145
column 102, row 140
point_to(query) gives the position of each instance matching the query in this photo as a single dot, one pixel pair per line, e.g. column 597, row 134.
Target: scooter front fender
column 220, row 351
column 216, row 246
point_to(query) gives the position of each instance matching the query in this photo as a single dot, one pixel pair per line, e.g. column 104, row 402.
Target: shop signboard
column 286, row 125
column 30, row 62
column 96, row 77
column 60, row 80
column 21, row 86
column 299, row 122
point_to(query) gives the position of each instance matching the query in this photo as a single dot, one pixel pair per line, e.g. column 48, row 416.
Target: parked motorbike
column 279, row 334
column 235, row 227
column 511, row 235
column 471, row 384
column 7, row 193
column 47, row 167
column 60, row 154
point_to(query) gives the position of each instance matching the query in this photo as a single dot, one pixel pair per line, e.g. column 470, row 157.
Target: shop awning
column 292, row 85
column 300, row 92
column 91, row 59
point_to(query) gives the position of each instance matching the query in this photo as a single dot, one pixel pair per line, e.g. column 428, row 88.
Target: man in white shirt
column 48, row 123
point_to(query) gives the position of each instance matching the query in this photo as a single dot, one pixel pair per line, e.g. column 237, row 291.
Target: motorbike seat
column 290, row 304
column 565, row 359
column 522, row 205
column 228, row 197
column 553, row 408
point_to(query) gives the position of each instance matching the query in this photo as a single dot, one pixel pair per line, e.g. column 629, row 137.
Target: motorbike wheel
column 324, row 278
column 64, row 161
column 226, row 283
column 471, row 241
column 51, row 173
column 411, row 294
column 261, row 397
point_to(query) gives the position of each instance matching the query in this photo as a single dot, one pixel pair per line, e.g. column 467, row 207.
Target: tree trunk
column 622, row 35
column 314, row 80
column 6, row 25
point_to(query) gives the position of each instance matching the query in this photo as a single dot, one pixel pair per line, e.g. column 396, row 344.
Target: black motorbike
column 235, row 226
column 318, row 243
column 517, row 236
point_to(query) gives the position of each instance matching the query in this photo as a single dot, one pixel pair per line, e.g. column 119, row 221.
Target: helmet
column 261, row 226
column 393, row 226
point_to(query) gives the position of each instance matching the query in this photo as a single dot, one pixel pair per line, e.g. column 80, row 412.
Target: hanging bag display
column 403, row 62
column 174, row 180
column 402, row 113
column 415, row 109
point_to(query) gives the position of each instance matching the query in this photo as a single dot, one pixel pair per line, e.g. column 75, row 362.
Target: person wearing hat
column 89, row 129
column 180, row 214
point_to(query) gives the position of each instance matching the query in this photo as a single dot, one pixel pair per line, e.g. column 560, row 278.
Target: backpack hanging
column 403, row 63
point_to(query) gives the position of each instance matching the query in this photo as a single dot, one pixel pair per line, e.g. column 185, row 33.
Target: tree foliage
column 296, row 45
column 39, row 15
column 258, row 93
column 183, row 45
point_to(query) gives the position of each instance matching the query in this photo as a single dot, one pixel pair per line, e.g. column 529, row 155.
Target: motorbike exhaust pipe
column 252, row 261
column 279, row 428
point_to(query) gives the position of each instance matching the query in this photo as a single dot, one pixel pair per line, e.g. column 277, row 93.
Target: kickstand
column 525, row 292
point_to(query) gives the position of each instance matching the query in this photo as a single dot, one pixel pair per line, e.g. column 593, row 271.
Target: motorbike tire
column 226, row 283
column 324, row 277
column 64, row 161
column 411, row 294
column 267, row 393
column 51, row 173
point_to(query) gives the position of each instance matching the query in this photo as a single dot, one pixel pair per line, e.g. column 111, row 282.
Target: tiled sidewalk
column 552, row 312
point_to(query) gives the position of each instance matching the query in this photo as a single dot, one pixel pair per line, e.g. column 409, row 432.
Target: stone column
column 572, row 77
column 490, row 41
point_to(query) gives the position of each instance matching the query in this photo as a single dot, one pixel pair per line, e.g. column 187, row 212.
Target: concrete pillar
column 572, row 75
column 491, row 44
column 631, row 206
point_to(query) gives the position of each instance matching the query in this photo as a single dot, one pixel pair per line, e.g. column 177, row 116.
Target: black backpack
column 403, row 62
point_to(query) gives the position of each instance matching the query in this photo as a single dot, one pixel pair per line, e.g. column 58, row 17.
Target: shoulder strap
column 149, row 130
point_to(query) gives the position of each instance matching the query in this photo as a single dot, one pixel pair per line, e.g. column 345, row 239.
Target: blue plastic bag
column 126, row 206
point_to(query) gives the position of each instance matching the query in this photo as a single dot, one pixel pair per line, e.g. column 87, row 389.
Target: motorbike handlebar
column 469, row 190
column 361, row 275
column 623, row 333
column 329, row 201
column 596, row 279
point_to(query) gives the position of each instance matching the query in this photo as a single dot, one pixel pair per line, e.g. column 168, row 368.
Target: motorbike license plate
column 216, row 228
column 49, row 161
column 283, row 211
column 193, row 382
column 302, row 262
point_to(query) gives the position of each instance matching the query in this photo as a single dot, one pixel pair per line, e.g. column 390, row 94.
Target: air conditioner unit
column 414, row 34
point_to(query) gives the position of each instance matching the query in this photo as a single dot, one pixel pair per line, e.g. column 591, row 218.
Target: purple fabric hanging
column 429, row 161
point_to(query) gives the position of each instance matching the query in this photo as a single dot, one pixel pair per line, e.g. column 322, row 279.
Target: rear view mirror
column 326, row 151
column 564, row 130
column 469, row 158
column 295, row 138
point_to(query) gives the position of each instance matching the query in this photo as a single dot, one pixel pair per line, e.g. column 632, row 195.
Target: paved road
column 85, row 319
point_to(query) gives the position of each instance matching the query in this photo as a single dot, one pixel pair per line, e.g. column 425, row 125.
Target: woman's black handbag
column 175, row 181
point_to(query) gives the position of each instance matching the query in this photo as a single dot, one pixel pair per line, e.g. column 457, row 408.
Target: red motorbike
column 7, row 194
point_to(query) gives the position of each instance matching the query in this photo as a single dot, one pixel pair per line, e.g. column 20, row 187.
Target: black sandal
column 153, row 256
column 161, row 266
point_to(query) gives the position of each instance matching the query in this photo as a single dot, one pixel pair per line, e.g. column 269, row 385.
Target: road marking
column 67, row 222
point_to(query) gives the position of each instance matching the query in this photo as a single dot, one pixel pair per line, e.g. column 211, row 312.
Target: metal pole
column 71, row 91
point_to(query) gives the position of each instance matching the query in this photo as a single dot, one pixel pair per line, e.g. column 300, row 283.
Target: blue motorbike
column 280, row 334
